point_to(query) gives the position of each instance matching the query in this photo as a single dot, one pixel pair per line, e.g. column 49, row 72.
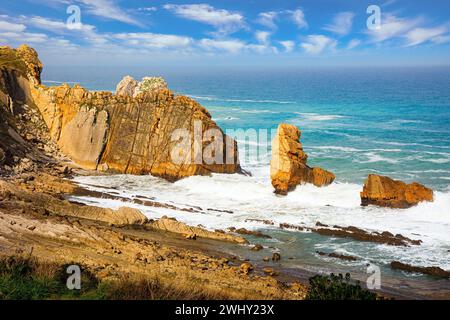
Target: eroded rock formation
column 288, row 166
column 128, row 86
column 385, row 192
column 131, row 132
column 23, row 133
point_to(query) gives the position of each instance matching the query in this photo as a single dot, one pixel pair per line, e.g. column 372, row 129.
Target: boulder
column 246, row 268
column 385, row 192
column 127, row 86
column 150, row 84
column 288, row 167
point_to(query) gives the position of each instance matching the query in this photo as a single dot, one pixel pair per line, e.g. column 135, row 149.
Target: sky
column 231, row 32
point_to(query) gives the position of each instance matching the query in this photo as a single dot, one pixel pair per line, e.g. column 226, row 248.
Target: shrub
column 334, row 287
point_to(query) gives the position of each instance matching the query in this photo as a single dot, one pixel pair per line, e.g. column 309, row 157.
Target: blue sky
column 231, row 32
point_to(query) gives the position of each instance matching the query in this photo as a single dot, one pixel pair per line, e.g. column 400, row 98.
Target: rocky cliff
column 24, row 141
column 288, row 166
column 386, row 192
column 131, row 132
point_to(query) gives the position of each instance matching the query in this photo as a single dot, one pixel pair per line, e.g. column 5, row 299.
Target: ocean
column 389, row 121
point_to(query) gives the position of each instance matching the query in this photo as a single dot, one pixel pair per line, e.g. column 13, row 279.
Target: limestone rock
column 246, row 268
column 34, row 65
column 119, row 133
column 288, row 166
column 121, row 217
column 127, row 86
column 2, row 156
column 21, row 127
column 386, row 192
column 84, row 137
column 150, row 84
column 128, row 216
column 172, row 225
column 132, row 135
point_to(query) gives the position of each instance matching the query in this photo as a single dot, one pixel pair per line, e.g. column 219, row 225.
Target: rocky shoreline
column 34, row 217
column 50, row 134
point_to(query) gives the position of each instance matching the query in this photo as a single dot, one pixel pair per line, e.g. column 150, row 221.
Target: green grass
column 25, row 278
column 338, row 287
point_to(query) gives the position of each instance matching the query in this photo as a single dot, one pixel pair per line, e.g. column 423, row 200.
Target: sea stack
column 385, row 192
column 288, row 166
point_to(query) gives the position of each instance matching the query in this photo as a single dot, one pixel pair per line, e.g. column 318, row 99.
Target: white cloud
column 154, row 40
column 288, row 45
column 392, row 27
column 441, row 39
column 267, row 19
column 421, row 35
column 11, row 27
column 57, row 26
column 102, row 8
column 224, row 20
column 316, row 44
column 342, row 23
column 109, row 9
column 298, row 17
column 231, row 46
column 148, row 9
column 84, row 32
column 25, row 37
column 260, row 48
column 353, row 44
column 263, row 37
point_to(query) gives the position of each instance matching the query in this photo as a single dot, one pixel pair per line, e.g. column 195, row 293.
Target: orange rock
column 385, row 192
column 288, row 166
column 134, row 134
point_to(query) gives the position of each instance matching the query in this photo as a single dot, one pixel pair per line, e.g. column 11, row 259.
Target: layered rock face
column 134, row 131
column 288, row 166
column 23, row 133
column 386, row 192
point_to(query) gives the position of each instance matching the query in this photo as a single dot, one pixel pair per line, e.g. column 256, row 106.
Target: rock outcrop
column 172, row 225
column 288, row 166
column 47, row 203
column 386, row 192
column 23, row 133
column 128, row 86
column 136, row 131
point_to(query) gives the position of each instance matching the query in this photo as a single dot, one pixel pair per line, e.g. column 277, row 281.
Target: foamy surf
column 253, row 198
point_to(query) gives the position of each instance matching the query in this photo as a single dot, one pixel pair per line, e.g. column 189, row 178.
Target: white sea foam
column 318, row 117
column 373, row 157
column 225, row 119
column 350, row 149
column 213, row 98
column 253, row 198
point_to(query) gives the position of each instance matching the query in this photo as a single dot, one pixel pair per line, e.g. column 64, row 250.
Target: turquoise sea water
column 354, row 122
